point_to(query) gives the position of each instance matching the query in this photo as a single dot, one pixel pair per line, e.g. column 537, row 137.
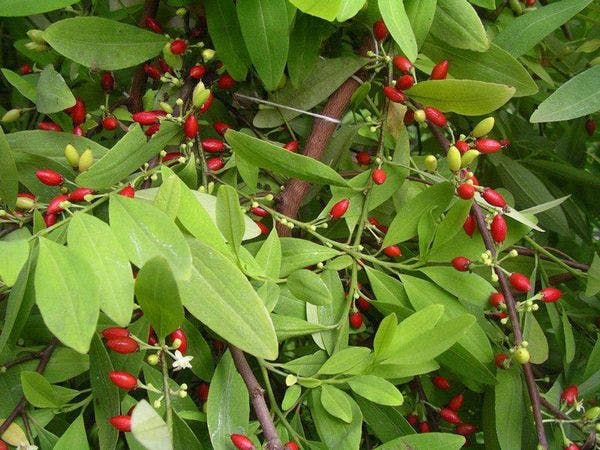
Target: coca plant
column 299, row 225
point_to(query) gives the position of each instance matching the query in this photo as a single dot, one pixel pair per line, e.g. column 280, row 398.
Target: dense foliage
column 341, row 224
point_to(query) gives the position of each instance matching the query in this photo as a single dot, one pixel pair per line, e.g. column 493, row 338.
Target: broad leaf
column 376, row 389
column 325, row 10
column 53, row 94
column 349, row 8
column 457, row 23
column 420, row 14
column 74, row 436
column 305, row 43
column 429, row 441
column 307, row 286
column 395, row 17
column 336, row 402
column 9, row 177
column 149, row 429
column 509, row 409
column 14, row 257
column 20, row 8
column 333, row 432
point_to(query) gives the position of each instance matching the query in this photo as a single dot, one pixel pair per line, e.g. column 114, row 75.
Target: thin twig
column 524, row 251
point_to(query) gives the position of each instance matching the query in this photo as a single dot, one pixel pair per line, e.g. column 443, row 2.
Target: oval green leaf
column 457, row 23
column 307, row 286
column 396, row 20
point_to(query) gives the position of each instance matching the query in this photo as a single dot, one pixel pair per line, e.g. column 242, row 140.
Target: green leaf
column 307, row 286
column 467, row 97
column 230, row 218
column 94, row 241
column 429, row 441
column 569, row 338
column 493, row 66
column 386, row 422
column 384, row 338
column 149, row 429
column 224, row 30
column 102, row 43
column 53, row 94
column 41, row 394
column 299, row 253
column 578, row 97
column 25, row 85
column 349, row 8
column 464, row 285
column 509, row 409
column 203, row 365
column 9, row 176
column 305, row 42
column 334, row 433
column 21, row 8
column 14, row 257
column 265, row 30
column 389, row 291
column 593, row 280
column 268, row 156
column 420, row 14
column 288, row 326
column 145, row 232
column 524, row 32
column 395, row 18
column 220, row 296
column 67, row 295
column 183, row 436
column 228, row 405
column 376, row 389
column 325, row 10
column 126, row 156
column 565, row 172
column 345, row 361
column 534, row 335
column 158, row 296
column 291, row 396
column 74, row 437
column 336, row 402
column 452, row 223
column 269, row 255
column 457, row 23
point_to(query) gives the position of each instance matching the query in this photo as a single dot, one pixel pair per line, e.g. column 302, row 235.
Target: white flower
column 181, row 362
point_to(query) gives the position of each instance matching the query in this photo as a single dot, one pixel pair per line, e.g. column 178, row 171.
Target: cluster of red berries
column 243, row 442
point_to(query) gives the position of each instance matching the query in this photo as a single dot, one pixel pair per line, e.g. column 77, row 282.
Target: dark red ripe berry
column 339, row 209
column 49, row 219
column 465, row 429
column 263, row 228
column 164, row 67
column 171, row 156
column 363, row 158
column 145, row 117
column 25, row 69
column 494, row 198
column 498, row 228
column 392, row 251
column 569, row 394
column 54, row 204
column 550, row 294
column 394, row 95
column 152, row 24
column 292, row 146
column 380, row 30
column 409, row 117
column 258, row 211
column 110, row 123
column 197, row 71
column 465, row 191
column 215, row 164
column 435, row 116
column 379, row 176
column 572, row 446
column 424, row 427
column 461, row 263
column 456, row 402
column 77, row 112
column 152, row 129
column 49, row 126
column 405, row 82
column 152, row 71
column 152, row 337
column 202, row 392
column 179, row 334
column 362, row 304
column 440, row 70
column 242, row 442
column 190, row 127
column 486, row 145
column 213, row 145
column 221, row 127
column 121, row 423
column 499, row 360
column 441, row 383
column 356, row 320
column 496, row 299
column 291, row 446
column 115, row 332
column 520, row 282
column 207, row 103
column 590, row 127
column 127, row 191
column 123, row 380
column 402, row 63
column 3, row 445
column 178, row 46
column 462, row 146
column 77, row 131
column 78, row 195
column 122, row 345
column 413, row 419
column 107, row 81
column 49, row 177
column 470, row 225
column 225, row 82
column 449, row 416
column 504, row 143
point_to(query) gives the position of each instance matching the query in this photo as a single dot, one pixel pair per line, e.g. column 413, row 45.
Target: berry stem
column 166, row 389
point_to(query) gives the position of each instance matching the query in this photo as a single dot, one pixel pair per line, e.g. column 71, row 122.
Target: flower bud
column 431, row 163
column 72, row 155
column 469, row 157
column 208, row 54
column 454, row 159
column 11, row 116
column 483, row 127
column 200, row 94
column 86, row 160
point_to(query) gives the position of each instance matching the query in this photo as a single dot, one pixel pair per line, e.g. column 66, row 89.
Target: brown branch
column 524, row 251
column 21, row 360
column 20, row 408
column 431, row 414
column 257, row 398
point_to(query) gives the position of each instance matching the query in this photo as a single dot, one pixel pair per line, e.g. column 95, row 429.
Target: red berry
column 164, row 67
column 212, row 145
column 402, row 63
column 115, row 332
column 569, row 394
column 49, row 219
column 292, row 146
column 439, row 71
column 152, row 337
column 49, row 126
column 486, row 145
column 413, row 419
column 456, row 402
column 441, row 383
column 121, row 423
column 110, row 123
column 496, row 299
column 152, row 71
column 153, row 24
column 107, row 81
column 393, row 251
column 379, row 176
column 590, row 127
column 339, row 209
column 409, row 117
column 127, row 191
column 77, row 131
column 394, row 95
column 3, row 445
column 363, row 158
column 78, row 195
column 380, row 30
column 123, row 380
column 77, row 112
column 190, row 127
column 470, row 225
column 520, row 282
column 25, row 69
column 435, row 116
column 258, row 211
column 449, row 416
column 207, row 103
column 465, row 429
column 171, row 156
column 122, row 345
column 504, row 143
column 202, row 391
column 405, row 82
column 356, row 320
column 242, row 442
column 263, row 228
column 424, row 427
column 215, row 164
column 362, row 304
column 462, row 146
column 465, row 191
column 197, row 71
column 494, row 198
column 572, row 446
column 180, row 334
column 461, row 263
column 499, row 360
column 145, row 117
column 225, row 82
column 54, row 204
column 291, row 446
column 178, row 46
column 550, row 294
column 221, row 127
column 49, row 177
column 152, row 129
column 498, row 228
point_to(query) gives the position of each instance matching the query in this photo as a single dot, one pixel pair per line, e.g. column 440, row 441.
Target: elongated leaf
column 467, row 286
column 349, row 8
column 269, row 255
column 468, row 97
column 345, row 361
column 19, row 8
column 288, row 326
column 279, row 160
column 40, row 393
column 25, row 86
column 565, row 172
column 429, row 441
column 53, row 94
column 336, row 402
column 576, row 98
column 230, row 218
column 593, row 282
column 102, row 43
column 9, row 177
column 74, row 437
column 299, row 253
column 325, row 10
column 420, row 14
column 333, row 432
column 15, row 254
column 305, row 43
column 66, row 294
column 149, row 429
column 457, row 23
column 395, row 17
column 509, row 409
column 526, row 31
column 376, row 389
column 309, row 287
column 386, row 422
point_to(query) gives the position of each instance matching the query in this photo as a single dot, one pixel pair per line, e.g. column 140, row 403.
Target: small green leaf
column 41, row 394
column 334, row 433
column 396, row 20
column 420, row 14
column 287, row 327
column 345, row 361
column 307, row 286
column 53, row 94
column 74, row 437
column 429, row 441
column 9, row 176
column 464, row 285
column 325, row 10
column 149, row 429
column 457, row 23
column 269, row 255
column 14, row 256
column 299, row 253
column 230, row 218
column 376, row 389
column 20, row 8
column 291, row 396
column 336, row 402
